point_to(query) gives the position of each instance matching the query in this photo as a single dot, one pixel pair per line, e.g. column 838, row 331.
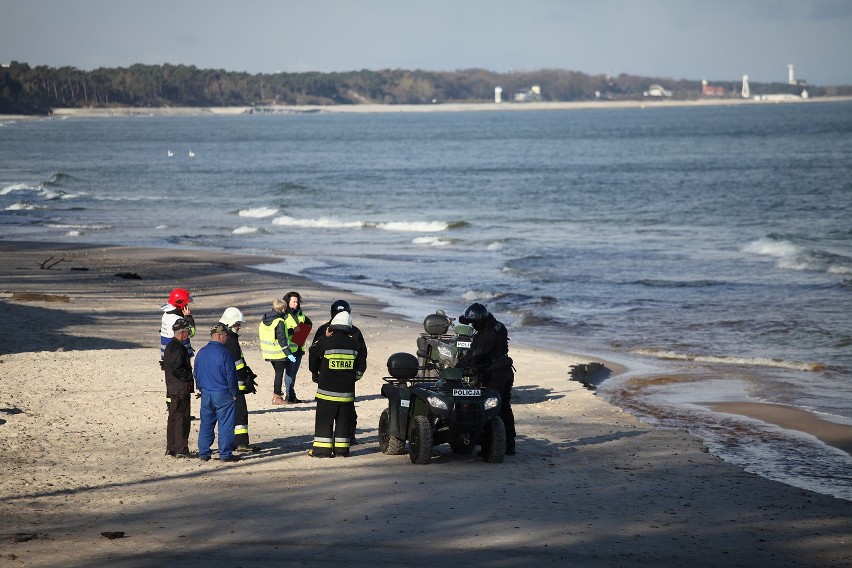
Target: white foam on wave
column 20, row 207
column 479, row 296
column 258, row 212
column 414, row 226
column 731, row 360
column 18, row 187
column 790, row 256
column 74, row 233
column 430, row 241
column 244, row 230
column 320, row 223
column 496, row 246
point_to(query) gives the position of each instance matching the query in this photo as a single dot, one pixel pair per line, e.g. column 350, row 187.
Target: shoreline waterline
column 408, row 108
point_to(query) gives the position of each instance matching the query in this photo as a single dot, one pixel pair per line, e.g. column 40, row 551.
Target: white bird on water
column 170, row 154
column 191, row 153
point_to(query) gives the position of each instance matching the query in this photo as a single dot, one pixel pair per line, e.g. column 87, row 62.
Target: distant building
column 498, row 94
column 657, row 91
column 533, row 94
column 708, row 90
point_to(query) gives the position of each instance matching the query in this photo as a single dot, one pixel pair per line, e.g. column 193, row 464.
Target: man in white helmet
column 233, row 319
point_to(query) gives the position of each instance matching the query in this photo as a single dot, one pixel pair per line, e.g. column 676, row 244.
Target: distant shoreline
column 381, row 108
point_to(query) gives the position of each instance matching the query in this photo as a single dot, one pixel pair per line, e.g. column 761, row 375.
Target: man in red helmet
column 176, row 308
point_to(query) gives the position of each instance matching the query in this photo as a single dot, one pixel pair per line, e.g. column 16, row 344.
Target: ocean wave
column 59, row 178
column 320, row 223
column 431, row 241
column 73, row 227
column 244, row 230
column 730, row 360
column 791, row 256
column 19, row 187
column 413, row 226
column 21, row 207
column 38, row 191
column 258, row 212
column 480, row 296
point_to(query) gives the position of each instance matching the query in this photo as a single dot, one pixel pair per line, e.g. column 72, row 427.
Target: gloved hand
column 292, row 358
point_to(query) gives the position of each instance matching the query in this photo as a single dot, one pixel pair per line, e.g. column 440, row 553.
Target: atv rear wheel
column 388, row 444
column 494, row 441
column 420, row 440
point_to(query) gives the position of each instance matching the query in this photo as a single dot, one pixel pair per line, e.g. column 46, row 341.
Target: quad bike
column 430, row 401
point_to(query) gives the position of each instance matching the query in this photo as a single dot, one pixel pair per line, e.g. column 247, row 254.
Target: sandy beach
column 83, row 422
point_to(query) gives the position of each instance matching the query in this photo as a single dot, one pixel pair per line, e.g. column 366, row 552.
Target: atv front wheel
column 494, row 441
column 420, row 440
column 389, row 445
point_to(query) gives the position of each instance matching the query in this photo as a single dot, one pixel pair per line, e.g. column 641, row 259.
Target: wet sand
column 832, row 433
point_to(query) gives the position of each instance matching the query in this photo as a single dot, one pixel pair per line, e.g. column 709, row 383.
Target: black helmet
column 474, row 315
column 340, row 306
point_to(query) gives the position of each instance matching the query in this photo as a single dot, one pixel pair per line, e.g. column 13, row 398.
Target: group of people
column 337, row 359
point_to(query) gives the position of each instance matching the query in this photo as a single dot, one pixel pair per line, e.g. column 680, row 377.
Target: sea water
column 709, row 249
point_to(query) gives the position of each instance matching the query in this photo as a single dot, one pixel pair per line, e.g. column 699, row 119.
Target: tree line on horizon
column 38, row 90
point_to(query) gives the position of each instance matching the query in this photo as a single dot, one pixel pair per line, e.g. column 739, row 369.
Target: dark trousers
column 241, row 429
column 177, row 430
column 332, row 428
column 502, row 381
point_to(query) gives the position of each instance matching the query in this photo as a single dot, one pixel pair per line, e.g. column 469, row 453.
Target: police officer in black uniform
column 488, row 359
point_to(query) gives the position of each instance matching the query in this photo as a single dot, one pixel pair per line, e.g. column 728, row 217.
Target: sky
column 717, row 40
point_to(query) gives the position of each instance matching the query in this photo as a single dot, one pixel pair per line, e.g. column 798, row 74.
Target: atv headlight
column 436, row 402
column 491, row 402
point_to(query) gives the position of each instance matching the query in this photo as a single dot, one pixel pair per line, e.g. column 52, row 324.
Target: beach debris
column 113, row 534
column 584, row 373
column 24, row 537
column 129, row 275
column 36, row 297
column 47, row 265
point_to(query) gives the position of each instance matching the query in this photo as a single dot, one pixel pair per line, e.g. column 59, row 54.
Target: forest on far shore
column 38, row 90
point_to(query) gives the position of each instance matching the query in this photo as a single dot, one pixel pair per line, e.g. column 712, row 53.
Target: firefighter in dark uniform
column 488, row 359
column 336, row 362
column 233, row 319
column 178, row 371
column 337, row 307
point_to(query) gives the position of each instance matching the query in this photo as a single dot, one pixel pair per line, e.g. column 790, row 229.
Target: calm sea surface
column 712, row 246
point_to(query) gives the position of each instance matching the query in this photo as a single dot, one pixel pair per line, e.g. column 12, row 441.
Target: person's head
column 293, row 300
column 340, row 306
column 180, row 298
column 475, row 315
column 219, row 332
column 233, row 318
column 279, row 306
column 181, row 329
column 341, row 322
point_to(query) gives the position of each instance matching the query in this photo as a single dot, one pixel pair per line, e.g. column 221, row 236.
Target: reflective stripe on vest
column 341, row 359
column 335, row 396
column 270, row 349
column 241, row 429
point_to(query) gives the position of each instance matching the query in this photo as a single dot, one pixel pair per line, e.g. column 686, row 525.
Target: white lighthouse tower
column 791, row 79
column 746, row 91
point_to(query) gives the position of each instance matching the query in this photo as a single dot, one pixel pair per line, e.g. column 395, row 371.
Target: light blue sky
column 682, row 39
